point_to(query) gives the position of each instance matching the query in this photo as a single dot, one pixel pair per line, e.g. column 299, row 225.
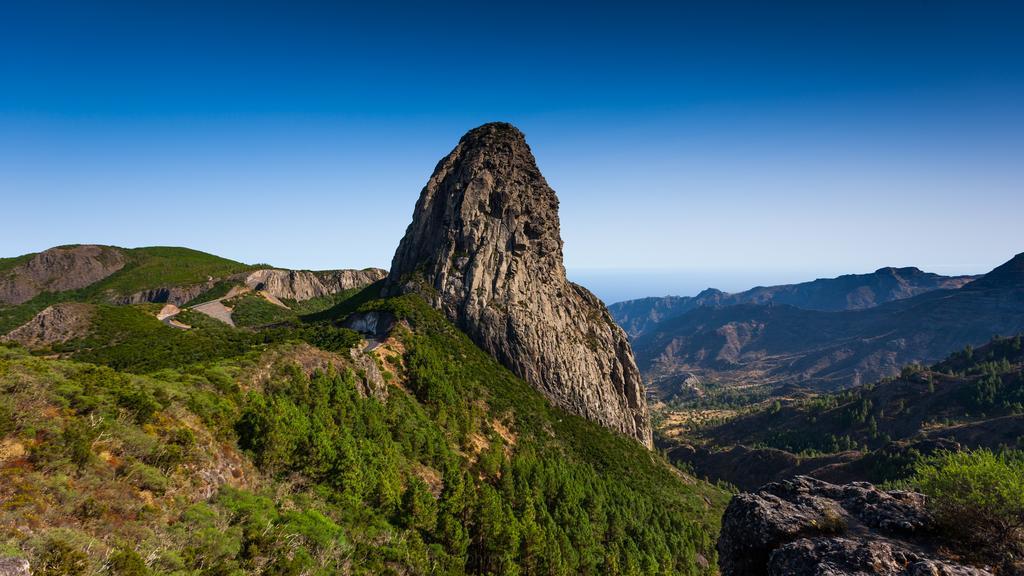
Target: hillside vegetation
column 877, row 432
column 144, row 269
column 146, row 449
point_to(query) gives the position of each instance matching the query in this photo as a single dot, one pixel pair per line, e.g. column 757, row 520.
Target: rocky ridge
column 305, row 284
column 779, row 345
column 484, row 247
column 810, row 527
column 846, row 292
column 57, row 323
column 57, row 270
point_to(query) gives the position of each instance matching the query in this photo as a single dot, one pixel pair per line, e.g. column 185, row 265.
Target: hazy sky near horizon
column 750, row 140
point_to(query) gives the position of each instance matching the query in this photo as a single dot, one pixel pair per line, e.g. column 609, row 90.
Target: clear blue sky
column 758, row 140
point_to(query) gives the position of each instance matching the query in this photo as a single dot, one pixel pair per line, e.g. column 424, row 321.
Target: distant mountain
column 974, row 398
column 158, row 274
column 781, row 344
column 847, row 292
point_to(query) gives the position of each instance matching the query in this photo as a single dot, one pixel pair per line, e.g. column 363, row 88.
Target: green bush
column 7, row 422
column 127, row 562
column 59, row 558
column 977, row 497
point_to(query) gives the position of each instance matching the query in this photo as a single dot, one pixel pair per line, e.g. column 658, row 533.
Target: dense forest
column 140, row 448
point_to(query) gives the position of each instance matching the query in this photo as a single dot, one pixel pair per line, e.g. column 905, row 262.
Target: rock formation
column 14, row 567
column 485, row 248
column 810, row 527
column 305, row 284
column 57, row 323
column 59, row 269
column 176, row 295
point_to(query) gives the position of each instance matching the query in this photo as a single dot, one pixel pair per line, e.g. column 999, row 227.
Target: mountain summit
column 484, row 247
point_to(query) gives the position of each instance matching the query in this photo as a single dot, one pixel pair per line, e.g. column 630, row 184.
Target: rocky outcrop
column 807, row 526
column 177, row 295
column 485, row 248
column 59, row 269
column 57, row 323
column 14, row 567
column 305, row 284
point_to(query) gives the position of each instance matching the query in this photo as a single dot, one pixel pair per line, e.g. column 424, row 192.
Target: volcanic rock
column 807, row 526
column 484, row 247
column 305, row 284
column 59, row 269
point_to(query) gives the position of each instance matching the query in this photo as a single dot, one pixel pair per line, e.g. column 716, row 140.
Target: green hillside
column 876, row 432
column 145, row 269
column 146, row 449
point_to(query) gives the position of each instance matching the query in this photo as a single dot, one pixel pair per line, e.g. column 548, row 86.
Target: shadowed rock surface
column 59, row 269
column 805, row 526
column 485, row 248
column 177, row 295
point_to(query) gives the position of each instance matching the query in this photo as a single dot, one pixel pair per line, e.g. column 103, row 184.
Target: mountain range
column 776, row 344
column 471, row 411
column 847, row 292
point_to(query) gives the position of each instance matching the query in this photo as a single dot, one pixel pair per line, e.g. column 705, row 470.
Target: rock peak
column 485, row 248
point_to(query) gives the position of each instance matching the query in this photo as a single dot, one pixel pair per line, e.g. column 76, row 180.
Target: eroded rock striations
column 59, row 269
column 58, row 323
column 485, row 248
column 810, row 527
column 305, row 284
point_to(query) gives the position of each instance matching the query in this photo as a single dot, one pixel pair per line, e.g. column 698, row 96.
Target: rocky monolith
column 485, row 248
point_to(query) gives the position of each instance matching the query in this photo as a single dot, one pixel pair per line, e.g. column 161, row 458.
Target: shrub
column 59, row 558
column 127, row 562
column 977, row 497
column 7, row 422
column 147, row 478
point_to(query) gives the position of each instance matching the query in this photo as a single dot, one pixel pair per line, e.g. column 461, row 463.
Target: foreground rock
column 14, row 567
column 485, row 248
column 59, row 269
column 807, row 526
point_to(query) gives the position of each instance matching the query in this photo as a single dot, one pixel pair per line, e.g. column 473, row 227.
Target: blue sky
column 723, row 143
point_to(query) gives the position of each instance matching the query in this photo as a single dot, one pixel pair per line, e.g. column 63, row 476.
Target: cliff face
column 485, row 248
column 304, row 284
column 59, row 269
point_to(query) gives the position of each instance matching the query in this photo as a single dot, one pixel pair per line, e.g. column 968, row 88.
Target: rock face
column 14, row 567
column 59, row 269
column 485, row 248
column 57, row 323
column 176, row 295
column 807, row 526
column 305, row 284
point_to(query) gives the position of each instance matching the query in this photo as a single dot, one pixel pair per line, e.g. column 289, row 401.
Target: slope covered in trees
column 277, row 451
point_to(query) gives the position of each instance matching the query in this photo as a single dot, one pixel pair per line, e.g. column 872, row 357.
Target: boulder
column 808, row 526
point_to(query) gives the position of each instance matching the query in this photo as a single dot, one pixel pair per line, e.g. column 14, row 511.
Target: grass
column 8, row 263
column 168, row 266
column 145, row 269
column 252, row 310
column 219, row 290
